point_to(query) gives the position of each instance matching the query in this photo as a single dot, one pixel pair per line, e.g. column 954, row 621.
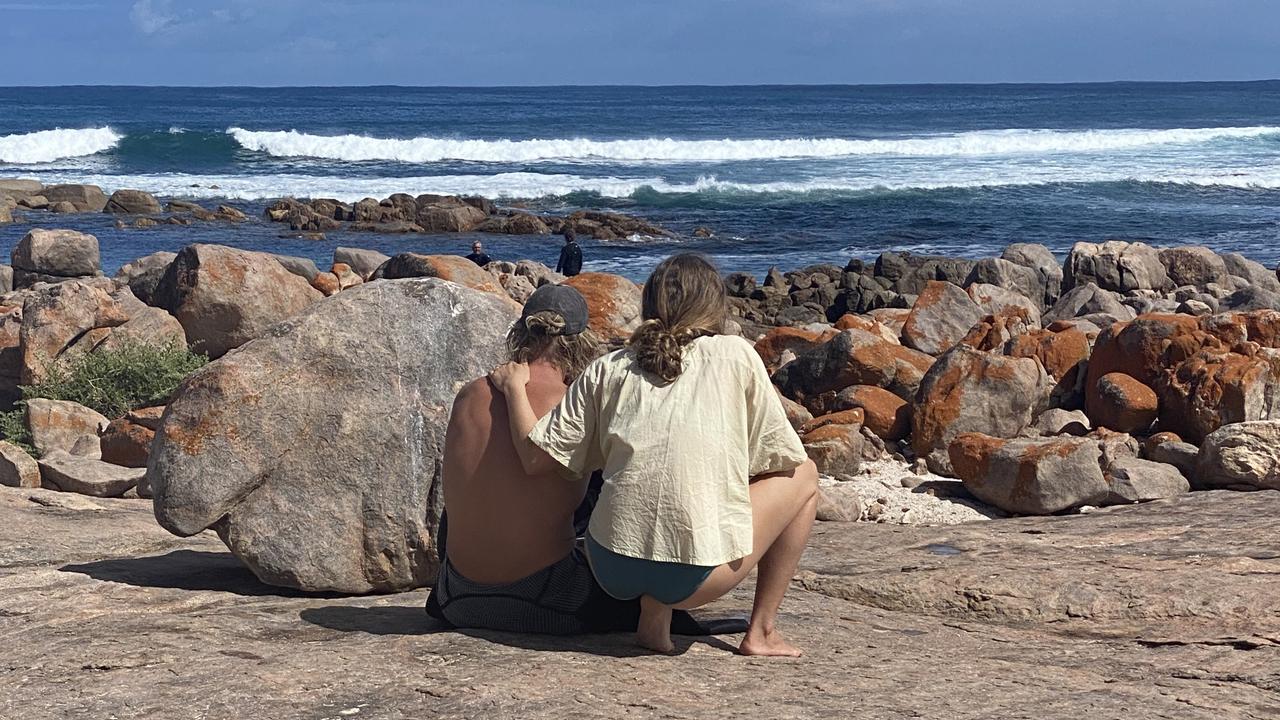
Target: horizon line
column 641, row 85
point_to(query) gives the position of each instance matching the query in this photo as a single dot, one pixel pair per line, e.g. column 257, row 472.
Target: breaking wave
column 51, row 145
column 361, row 148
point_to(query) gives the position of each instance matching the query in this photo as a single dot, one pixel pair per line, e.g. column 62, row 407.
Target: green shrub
column 113, row 382
column 13, row 427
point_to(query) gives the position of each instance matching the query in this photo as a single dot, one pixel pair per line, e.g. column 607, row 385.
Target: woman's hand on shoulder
column 510, row 376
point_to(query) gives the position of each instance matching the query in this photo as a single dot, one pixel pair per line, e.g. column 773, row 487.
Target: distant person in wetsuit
column 570, row 262
column 478, row 255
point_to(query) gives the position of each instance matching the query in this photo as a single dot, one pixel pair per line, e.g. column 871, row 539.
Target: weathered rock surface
column 1135, row 480
column 1164, row 610
column 853, row 357
column 1240, row 455
column 613, row 301
column 363, row 262
column 63, row 320
column 941, row 316
column 126, row 443
column 1123, row 404
column 86, row 476
column 144, row 274
column 225, row 297
column 54, row 255
column 315, row 452
column 1114, row 265
column 17, row 468
column 133, row 202
column 79, row 198
column 59, row 425
column 885, row 414
column 968, row 390
column 1030, row 476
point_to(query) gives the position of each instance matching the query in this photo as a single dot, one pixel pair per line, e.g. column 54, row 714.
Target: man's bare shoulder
column 474, row 398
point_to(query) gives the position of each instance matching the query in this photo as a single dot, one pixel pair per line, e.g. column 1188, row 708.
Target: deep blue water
column 783, row 175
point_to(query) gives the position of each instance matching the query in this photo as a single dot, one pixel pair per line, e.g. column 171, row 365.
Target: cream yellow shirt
column 677, row 458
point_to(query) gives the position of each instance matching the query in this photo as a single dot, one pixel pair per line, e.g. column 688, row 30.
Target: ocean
column 782, row 175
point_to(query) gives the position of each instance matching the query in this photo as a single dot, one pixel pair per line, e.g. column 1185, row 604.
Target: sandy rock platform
column 1165, row 610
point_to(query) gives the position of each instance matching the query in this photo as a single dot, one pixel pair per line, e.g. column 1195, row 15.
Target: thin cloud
column 152, row 16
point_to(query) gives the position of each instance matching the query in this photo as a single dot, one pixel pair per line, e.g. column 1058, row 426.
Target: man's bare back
column 504, row 525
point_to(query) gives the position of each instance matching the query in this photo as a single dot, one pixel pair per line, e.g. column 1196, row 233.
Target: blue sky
column 539, row 42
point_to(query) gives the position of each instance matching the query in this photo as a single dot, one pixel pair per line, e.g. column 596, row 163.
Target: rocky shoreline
column 1118, row 401
column 397, row 214
column 1017, row 385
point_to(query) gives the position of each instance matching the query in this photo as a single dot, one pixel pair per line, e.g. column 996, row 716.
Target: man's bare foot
column 654, row 629
column 767, row 643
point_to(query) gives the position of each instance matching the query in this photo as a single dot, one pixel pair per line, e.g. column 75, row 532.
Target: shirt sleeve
column 568, row 432
column 771, row 441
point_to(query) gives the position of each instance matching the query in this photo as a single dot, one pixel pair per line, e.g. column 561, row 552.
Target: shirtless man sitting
column 510, row 560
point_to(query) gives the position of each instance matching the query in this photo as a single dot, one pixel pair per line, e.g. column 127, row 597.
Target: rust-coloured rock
column 886, row 414
column 782, row 340
column 614, row 303
column 1123, row 404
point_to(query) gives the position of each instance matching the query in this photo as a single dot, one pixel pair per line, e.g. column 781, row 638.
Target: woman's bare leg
column 654, row 629
column 783, row 506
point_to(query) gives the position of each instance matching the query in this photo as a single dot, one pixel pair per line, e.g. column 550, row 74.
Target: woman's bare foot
column 767, row 643
column 654, row 630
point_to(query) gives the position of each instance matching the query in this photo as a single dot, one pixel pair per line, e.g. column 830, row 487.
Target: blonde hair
column 539, row 336
column 683, row 299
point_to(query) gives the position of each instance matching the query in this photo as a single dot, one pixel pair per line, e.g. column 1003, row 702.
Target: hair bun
column 658, row 350
column 545, row 323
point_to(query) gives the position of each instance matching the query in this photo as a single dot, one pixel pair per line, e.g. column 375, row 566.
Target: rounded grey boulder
column 314, row 451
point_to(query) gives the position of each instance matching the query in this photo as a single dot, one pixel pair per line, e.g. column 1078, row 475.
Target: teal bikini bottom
column 627, row 578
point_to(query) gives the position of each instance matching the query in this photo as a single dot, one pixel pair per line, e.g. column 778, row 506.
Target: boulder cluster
column 403, row 213
column 311, row 444
column 145, row 210
column 1127, row 373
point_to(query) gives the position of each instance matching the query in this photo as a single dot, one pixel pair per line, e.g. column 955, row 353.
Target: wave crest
column 51, row 145
column 361, row 148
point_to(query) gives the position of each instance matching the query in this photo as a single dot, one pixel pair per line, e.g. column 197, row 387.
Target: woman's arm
column 510, row 379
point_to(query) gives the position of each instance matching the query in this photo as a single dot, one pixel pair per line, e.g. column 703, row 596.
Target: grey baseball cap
column 563, row 301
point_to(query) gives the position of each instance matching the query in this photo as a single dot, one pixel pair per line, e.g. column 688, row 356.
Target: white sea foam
column 50, row 145
column 359, row 148
column 535, row 185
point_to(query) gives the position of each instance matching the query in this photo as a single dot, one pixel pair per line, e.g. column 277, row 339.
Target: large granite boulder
column 143, row 275
column 87, row 476
column 1115, row 265
column 853, row 357
column 1011, row 276
column 1030, row 476
column 446, row 267
column 1255, row 273
column 64, row 321
column 54, row 255
column 1123, row 404
column 133, row 202
column 314, row 451
column 79, row 198
column 1133, row 480
column 60, row 425
column 1089, row 301
column 1040, row 259
column 941, row 317
column 968, row 390
column 17, row 468
column 1193, row 265
column 362, row 262
column 226, row 297
column 613, row 300
column 1241, row 455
